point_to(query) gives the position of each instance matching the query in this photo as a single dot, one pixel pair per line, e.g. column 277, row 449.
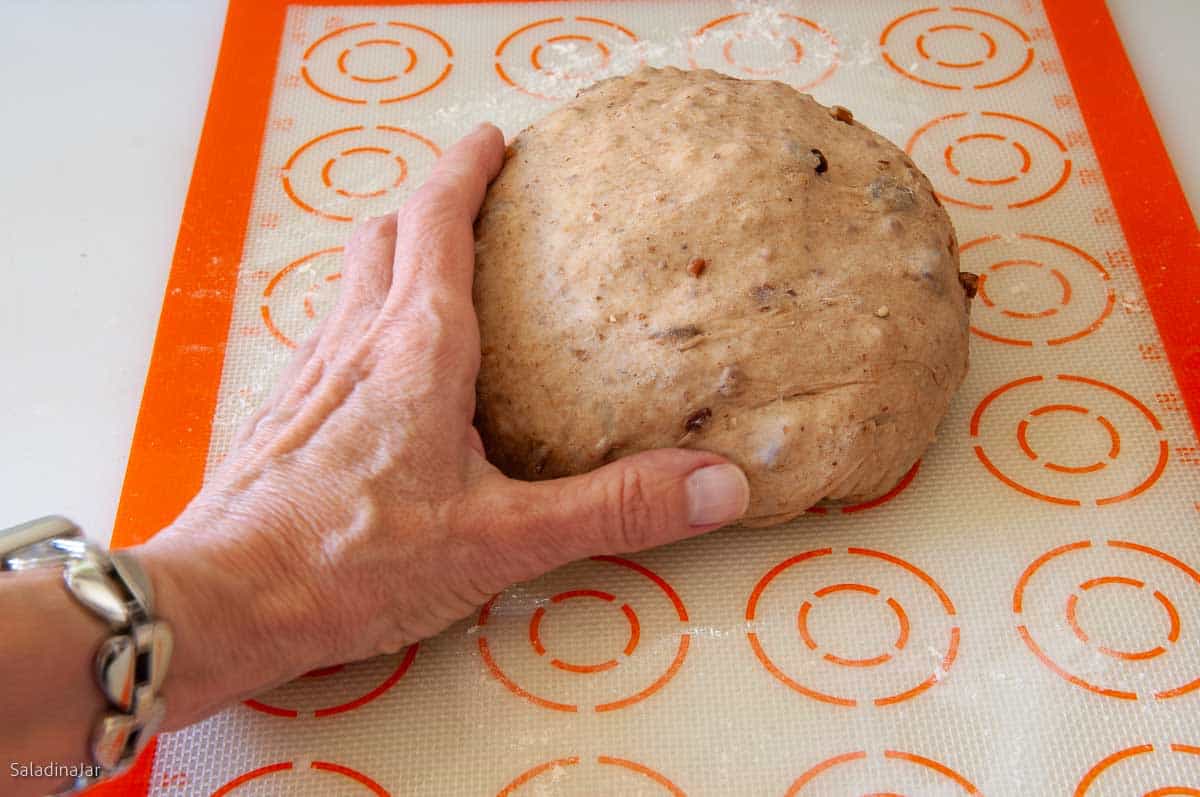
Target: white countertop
column 103, row 105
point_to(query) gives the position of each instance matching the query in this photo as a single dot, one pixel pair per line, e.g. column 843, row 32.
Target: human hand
column 356, row 512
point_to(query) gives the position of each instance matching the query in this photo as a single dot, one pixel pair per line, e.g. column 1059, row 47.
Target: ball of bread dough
column 680, row 258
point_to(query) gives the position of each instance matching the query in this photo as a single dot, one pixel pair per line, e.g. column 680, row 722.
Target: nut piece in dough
column 679, row 258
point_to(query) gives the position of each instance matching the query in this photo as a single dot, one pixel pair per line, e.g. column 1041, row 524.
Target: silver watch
column 130, row 664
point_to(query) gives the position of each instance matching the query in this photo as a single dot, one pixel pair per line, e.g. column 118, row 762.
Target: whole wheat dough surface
column 679, row 258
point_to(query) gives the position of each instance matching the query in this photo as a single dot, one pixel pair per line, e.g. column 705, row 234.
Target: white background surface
column 102, row 108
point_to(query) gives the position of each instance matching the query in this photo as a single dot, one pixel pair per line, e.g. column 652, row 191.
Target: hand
column 356, row 512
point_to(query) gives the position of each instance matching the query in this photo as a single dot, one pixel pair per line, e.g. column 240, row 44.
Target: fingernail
column 717, row 494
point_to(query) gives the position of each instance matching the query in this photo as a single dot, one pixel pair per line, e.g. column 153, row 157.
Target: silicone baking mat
column 1020, row 616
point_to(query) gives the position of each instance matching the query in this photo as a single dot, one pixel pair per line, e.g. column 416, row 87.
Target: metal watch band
column 131, row 663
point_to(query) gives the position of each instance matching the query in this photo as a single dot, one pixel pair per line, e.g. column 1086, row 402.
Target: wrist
column 50, row 710
column 241, row 622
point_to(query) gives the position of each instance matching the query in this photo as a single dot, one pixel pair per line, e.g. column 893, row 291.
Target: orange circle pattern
column 934, row 144
column 1135, row 662
column 908, row 39
column 308, row 173
column 288, row 766
column 1167, row 605
column 810, row 53
column 560, row 764
column 568, row 36
column 282, row 289
column 896, row 608
column 902, row 625
column 535, row 623
column 383, row 686
column 1174, row 790
column 944, row 772
column 337, row 78
column 588, row 669
column 1075, row 312
column 1069, row 385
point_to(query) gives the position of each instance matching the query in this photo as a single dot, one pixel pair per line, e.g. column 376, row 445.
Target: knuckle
column 377, row 227
column 439, row 341
column 634, row 510
column 370, row 232
column 394, row 639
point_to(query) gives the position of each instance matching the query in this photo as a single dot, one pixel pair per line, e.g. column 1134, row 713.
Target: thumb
column 638, row 502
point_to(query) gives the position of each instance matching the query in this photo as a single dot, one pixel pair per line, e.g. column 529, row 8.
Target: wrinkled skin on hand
column 357, row 512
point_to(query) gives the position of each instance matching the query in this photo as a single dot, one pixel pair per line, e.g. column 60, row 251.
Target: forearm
column 50, row 697
column 235, row 620
column 222, row 610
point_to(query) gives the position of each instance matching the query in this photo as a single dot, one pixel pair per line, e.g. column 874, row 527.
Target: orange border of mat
column 170, row 442
column 1159, row 227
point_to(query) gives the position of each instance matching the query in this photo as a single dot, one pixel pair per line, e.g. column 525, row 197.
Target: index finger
column 435, row 242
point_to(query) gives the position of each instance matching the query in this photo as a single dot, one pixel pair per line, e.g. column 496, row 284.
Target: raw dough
column 686, row 259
